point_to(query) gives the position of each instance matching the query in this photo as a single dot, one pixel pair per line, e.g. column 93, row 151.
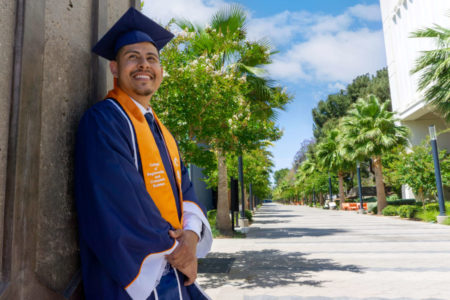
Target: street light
column 437, row 170
column 250, row 192
column 330, row 187
column 358, row 171
column 241, row 180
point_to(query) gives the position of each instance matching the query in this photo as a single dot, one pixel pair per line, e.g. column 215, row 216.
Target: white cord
column 179, row 287
column 156, row 294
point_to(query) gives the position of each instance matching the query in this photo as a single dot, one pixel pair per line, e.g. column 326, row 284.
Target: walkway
column 297, row 252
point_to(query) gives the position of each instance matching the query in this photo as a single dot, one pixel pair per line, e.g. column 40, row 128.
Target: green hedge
column 390, row 210
column 407, row 211
column 431, row 207
column 402, row 202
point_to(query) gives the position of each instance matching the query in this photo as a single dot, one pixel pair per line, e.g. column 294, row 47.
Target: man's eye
column 132, row 56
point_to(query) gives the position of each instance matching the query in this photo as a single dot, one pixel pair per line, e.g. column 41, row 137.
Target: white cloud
column 334, row 57
column 325, row 24
column 196, row 11
column 285, row 69
column 321, row 47
column 366, row 12
column 336, row 86
column 279, row 28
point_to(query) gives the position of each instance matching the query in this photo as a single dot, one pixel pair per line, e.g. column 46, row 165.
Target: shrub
column 372, row 208
column 431, row 207
column 402, row 202
column 407, row 211
column 212, row 216
column 212, row 222
column 370, row 200
column 392, row 197
column 249, row 215
column 390, row 210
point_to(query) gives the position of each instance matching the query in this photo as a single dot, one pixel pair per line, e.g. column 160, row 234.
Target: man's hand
column 184, row 257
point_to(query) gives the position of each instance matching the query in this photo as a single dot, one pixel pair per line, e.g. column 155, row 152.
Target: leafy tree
column 301, row 154
column 369, row 131
column 311, row 178
column 379, row 86
column 212, row 96
column 416, row 169
column 434, row 69
column 331, row 109
column 359, row 88
column 331, row 159
column 279, row 175
column 327, row 113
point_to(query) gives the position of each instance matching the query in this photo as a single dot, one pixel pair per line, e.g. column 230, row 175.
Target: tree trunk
column 421, row 196
column 341, row 188
column 223, row 220
column 247, row 204
column 321, row 199
column 379, row 183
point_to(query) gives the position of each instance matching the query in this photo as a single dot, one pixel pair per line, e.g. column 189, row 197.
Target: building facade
column 401, row 18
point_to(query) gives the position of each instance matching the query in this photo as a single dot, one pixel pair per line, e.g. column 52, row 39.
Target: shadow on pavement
column 274, row 215
column 266, row 268
column 266, row 297
column 279, row 233
column 276, row 221
column 271, row 211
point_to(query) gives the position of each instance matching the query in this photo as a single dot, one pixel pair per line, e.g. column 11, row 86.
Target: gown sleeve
column 194, row 213
column 118, row 221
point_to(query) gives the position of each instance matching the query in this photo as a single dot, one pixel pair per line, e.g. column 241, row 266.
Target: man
column 140, row 224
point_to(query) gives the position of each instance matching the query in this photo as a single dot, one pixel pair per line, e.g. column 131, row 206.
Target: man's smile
column 143, row 76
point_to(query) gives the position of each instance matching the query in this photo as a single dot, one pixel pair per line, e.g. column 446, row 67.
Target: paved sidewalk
column 297, row 252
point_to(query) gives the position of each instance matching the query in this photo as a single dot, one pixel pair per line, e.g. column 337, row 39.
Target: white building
column 400, row 18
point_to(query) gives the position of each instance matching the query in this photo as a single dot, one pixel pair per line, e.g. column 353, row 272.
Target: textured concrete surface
column 7, row 25
column 297, row 252
column 66, row 85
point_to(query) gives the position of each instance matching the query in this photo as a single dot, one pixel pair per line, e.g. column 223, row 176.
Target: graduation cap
column 132, row 27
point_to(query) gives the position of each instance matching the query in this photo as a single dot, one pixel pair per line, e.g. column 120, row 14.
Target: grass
column 215, row 232
column 431, row 211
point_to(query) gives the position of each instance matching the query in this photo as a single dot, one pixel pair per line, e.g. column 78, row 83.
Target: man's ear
column 114, row 68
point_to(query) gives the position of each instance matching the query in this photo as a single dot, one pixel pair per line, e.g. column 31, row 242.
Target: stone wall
column 48, row 78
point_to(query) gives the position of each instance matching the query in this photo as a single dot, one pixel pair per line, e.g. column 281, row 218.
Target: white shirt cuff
column 192, row 222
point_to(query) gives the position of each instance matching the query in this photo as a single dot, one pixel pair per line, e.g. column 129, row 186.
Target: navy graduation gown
column 119, row 225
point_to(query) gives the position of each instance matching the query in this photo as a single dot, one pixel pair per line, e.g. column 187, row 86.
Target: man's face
column 138, row 70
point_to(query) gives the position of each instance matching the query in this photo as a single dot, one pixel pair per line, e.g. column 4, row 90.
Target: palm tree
column 246, row 58
column 434, row 69
column 369, row 131
column 331, row 159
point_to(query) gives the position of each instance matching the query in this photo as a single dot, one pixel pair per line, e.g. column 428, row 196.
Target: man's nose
column 143, row 63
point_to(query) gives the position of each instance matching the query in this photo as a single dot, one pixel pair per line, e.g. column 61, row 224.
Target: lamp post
column 437, row 171
column 250, row 199
column 358, row 171
column 241, row 181
column 330, row 187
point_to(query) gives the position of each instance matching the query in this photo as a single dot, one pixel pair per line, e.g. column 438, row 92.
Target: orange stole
column 155, row 175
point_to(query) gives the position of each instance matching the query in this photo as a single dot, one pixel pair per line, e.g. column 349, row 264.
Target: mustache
column 141, row 71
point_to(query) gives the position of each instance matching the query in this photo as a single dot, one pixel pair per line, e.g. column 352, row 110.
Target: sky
column 322, row 45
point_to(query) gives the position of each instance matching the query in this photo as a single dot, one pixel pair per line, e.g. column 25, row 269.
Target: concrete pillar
column 48, row 78
column 7, row 23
